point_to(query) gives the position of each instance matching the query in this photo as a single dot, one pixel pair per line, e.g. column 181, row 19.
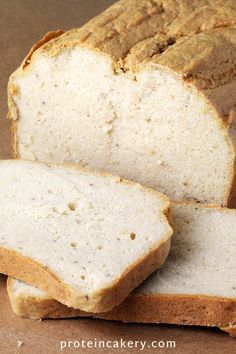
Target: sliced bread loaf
column 146, row 90
column 196, row 286
column 87, row 239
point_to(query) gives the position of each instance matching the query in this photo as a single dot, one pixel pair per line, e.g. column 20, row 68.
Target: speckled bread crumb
column 196, row 286
column 145, row 81
column 67, row 230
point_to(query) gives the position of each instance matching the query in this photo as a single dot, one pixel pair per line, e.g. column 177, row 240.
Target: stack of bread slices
column 145, row 91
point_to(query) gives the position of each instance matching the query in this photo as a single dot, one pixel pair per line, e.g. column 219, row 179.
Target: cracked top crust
column 195, row 38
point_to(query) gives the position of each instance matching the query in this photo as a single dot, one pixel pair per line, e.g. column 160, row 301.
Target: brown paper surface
column 23, row 22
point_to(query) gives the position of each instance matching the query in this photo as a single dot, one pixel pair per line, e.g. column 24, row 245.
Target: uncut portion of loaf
column 87, row 239
column 145, row 90
column 196, row 286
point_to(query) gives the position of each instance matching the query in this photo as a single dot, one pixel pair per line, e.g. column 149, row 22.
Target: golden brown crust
column 206, row 59
column 231, row 329
column 13, row 115
column 199, row 37
column 203, row 206
column 232, row 194
column 48, row 36
column 39, row 307
column 202, row 28
column 14, row 141
column 180, row 309
column 21, row 267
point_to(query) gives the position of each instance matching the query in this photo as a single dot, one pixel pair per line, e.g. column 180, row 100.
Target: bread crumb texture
column 92, row 233
column 191, row 288
column 145, row 90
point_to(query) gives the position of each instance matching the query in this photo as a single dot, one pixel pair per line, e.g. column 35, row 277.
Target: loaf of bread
column 87, row 239
column 146, row 90
column 196, row 286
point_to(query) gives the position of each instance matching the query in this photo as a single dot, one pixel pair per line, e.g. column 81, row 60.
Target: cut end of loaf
column 149, row 126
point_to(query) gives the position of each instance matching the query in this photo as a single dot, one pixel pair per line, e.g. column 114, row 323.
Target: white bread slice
column 146, row 90
column 85, row 238
column 196, row 286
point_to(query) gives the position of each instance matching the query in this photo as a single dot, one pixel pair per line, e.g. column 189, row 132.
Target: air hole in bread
column 132, row 236
column 72, row 206
column 73, row 244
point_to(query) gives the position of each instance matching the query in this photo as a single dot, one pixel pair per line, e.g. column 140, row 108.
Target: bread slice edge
column 199, row 310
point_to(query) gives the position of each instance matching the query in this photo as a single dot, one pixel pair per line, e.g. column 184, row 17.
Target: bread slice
column 146, row 90
column 85, row 238
column 196, row 286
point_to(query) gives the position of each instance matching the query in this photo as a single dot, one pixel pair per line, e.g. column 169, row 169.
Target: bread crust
column 198, row 310
column 135, row 34
column 48, row 36
column 15, row 265
column 180, row 309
